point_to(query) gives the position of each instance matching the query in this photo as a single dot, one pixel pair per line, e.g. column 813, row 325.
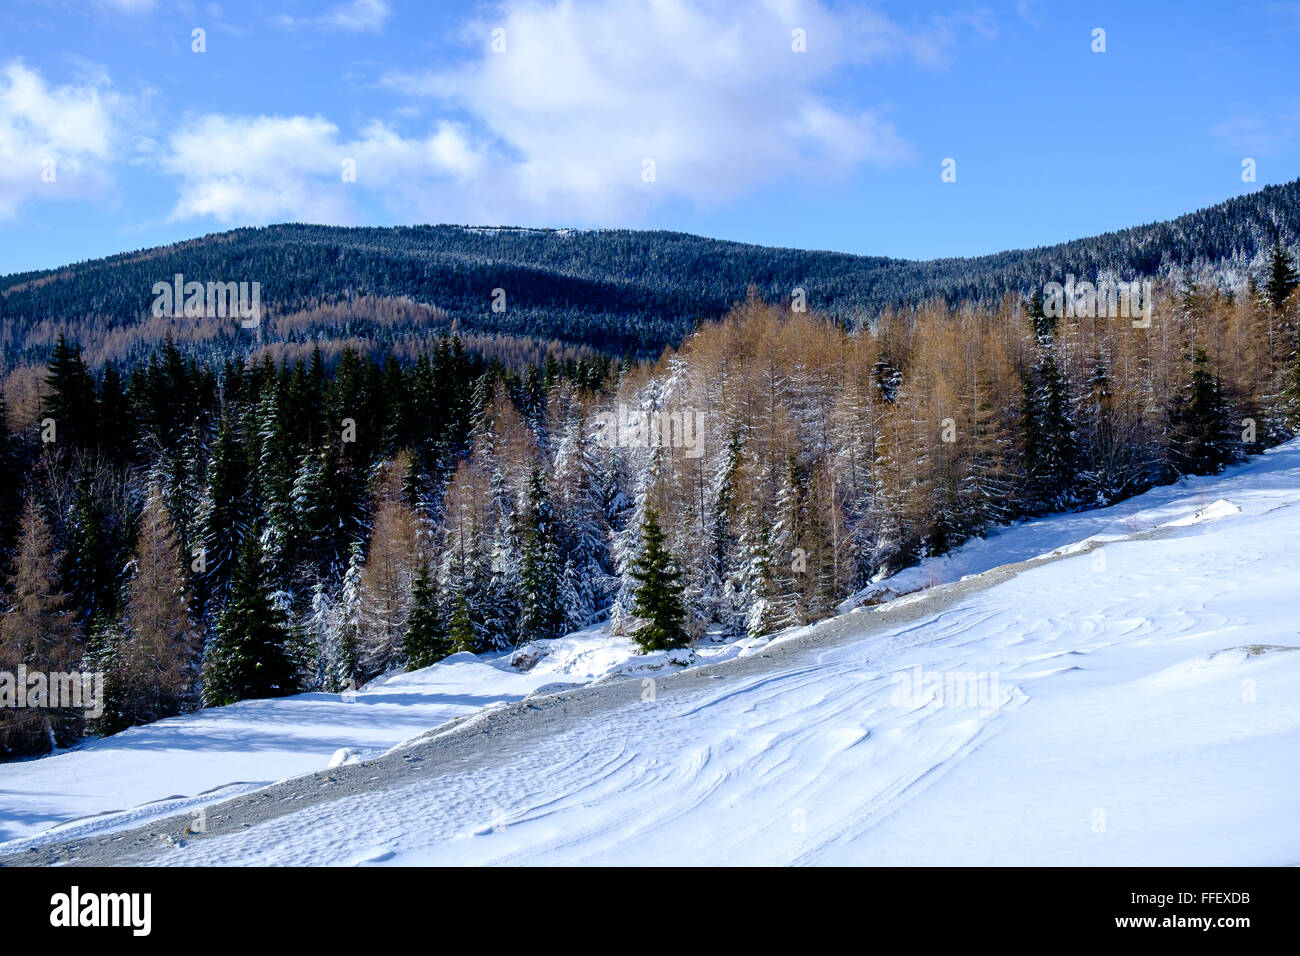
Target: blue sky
column 837, row 147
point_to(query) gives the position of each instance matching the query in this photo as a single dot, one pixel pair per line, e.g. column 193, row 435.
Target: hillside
column 619, row 291
column 1134, row 677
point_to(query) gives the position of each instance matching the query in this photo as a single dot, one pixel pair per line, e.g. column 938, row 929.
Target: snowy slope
column 1137, row 700
column 186, row 761
column 183, row 763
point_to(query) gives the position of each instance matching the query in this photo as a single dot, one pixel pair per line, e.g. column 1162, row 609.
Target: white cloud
column 353, row 16
column 712, row 92
column 558, row 125
column 73, row 126
column 271, row 168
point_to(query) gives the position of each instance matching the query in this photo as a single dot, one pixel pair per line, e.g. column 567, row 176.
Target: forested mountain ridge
column 618, row 291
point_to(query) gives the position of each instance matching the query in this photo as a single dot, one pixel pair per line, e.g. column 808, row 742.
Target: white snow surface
column 186, row 762
column 1138, row 703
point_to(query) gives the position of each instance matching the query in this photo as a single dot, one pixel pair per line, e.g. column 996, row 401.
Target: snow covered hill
column 1123, row 690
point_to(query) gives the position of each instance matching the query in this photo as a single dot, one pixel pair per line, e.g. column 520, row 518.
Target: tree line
column 209, row 532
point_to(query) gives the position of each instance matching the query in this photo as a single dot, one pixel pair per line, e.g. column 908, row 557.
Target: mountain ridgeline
column 622, row 292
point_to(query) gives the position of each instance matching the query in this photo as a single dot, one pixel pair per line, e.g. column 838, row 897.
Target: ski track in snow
column 1132, row 725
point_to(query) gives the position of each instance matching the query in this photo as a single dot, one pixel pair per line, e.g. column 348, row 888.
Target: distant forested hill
column 618, row 291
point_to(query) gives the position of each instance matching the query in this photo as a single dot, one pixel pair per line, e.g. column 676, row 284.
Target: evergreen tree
column 104, row 645
column 658, row 596
column 542, row 612
column 273, row 458
column 326, row 511
column 646, row 467
column 1200, row 441
column 460, row 630
column 582, row 523
column 224, row 513
column 250, row 656
column 757, row 576
column 178, row 472
column 1282, row 277
column 721, row 572
column 498, row 613
column 426, row 640
column 70, row 400
column 345, row 644
column 320, row 629
column 1044, row 324
column 1048, row 433
column 787, row 550
column 117, row 432
column 91, row 562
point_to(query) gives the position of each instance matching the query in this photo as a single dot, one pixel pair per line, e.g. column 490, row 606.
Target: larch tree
column 158, row 656
column 462, row 572
column 388, row 578
column 38, row 631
